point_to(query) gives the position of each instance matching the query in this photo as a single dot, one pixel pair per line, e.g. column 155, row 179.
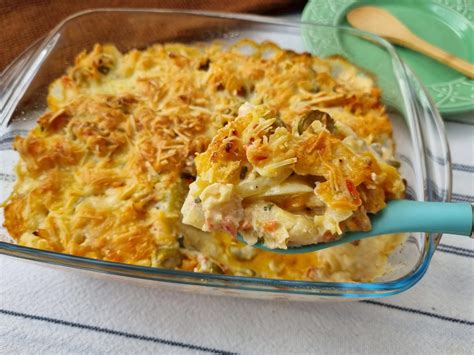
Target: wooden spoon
column 382, row 23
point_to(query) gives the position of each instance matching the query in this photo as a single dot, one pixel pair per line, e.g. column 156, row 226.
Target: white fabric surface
column 71, row 307
column 45, row 310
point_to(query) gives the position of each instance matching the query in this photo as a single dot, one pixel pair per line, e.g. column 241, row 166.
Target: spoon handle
column 416, row 43
column 419, row 216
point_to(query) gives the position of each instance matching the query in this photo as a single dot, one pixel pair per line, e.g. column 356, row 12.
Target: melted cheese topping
column 105, row 172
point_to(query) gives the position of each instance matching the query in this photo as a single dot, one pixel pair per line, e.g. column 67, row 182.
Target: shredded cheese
column 105, row 172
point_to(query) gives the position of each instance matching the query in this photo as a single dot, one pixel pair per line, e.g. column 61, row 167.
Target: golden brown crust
column 104, row 173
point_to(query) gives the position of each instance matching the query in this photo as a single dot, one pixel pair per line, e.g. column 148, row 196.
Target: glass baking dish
column 418, row 130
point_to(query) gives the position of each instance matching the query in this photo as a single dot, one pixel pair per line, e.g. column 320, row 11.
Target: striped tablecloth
column 51, row 311
column 45, row 310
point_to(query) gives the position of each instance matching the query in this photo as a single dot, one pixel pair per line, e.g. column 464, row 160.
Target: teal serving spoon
column 402, row 216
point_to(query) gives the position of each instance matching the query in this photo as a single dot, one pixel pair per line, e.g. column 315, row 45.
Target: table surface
column 44, row 310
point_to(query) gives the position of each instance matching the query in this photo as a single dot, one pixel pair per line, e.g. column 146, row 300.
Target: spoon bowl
column 401, row 216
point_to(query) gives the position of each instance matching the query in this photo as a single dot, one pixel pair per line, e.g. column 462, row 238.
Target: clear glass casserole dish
column 418, row 132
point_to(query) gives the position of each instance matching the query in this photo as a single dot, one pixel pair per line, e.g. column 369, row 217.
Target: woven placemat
column 24, row 21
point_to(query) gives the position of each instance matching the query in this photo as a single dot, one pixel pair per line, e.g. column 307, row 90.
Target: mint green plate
column 447, row 24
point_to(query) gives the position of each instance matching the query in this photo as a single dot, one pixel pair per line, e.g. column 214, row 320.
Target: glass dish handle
column 436, row 148
column 10, row 79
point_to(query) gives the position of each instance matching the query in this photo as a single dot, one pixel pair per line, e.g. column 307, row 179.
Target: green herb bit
column 268, row 207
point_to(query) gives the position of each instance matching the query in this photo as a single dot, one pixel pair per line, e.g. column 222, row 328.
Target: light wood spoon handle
column 382, row 23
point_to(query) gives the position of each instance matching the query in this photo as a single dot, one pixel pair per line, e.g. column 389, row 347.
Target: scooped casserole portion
column 298, row 181
column 301, row 149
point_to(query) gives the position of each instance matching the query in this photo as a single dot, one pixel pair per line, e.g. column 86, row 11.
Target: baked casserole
column 107, row 169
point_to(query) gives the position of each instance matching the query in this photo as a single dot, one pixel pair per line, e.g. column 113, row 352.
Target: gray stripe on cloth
column 115, row 332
